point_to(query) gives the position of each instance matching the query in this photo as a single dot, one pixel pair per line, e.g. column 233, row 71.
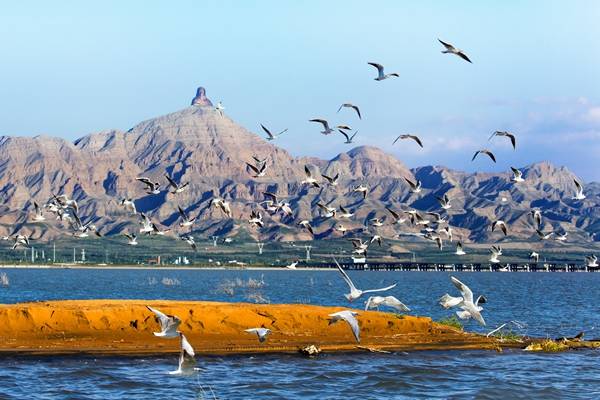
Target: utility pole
column 307, row 248
column 74, row 259
column 32, row 255
column 53, row 252
column 106, row 256
column 82, row 255
column 260, row 247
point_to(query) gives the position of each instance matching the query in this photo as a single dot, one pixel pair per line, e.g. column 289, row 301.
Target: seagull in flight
column 168, row 324
column 415, row 187
column 329, row 211
column 186, row 221
column 517, row 175
column 151, row 187
column 496, row 252
column 535, row 256
column 352, row 106
column 293, row 264
column 270, row 135
column 388, row 301
column 413, row 137
column 332, row 181
column 189, row 239
column 396, row 217
column 471, row 309
column 459, row 249
column 344, row 213
column 306, row 225
column 579, row 193
column 131, row 239
column 500, row 224
column 262, row 333
column 380, row 73
column 309, row 178
column 326, row 128
column 177, row 188
column 544, row 236
column 350, row 318
column 186, row 358
column 222, row 205
column 256, row 219
column 591, row 261
column 39, row 216
column 537, row 217
column 129, row 205
column 146, row 224
column 361, row 189
column 513, row 139
column 258, row 171
column 453, row 50
column 486, row 152
column 348, row 138
column 354, row 292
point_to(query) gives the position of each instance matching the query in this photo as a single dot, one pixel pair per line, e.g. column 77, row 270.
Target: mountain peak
column 200, row 99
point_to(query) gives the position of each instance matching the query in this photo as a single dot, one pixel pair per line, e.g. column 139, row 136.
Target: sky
column 71, row 68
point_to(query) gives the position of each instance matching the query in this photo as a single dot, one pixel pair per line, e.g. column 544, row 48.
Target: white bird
column 156, row 231
column 326, row 128
column 261, row 333
column 561, row 237
column 447, row 230
column 129, row 205
column 415, row 187
column 579, row 193
column 270, row 135
column 591, row 261
column 535, row 256
column 467, row 304
column 376, row 238
column 306, row 225
column 131, row 239
column 388, row 301
column 151, row 187
column 38, row 216
column 544, row 236
column 501, row 224
column 517, row 175
column 448, row 301
column 377, row 222
column 341, row 228
column 413, row 137
column 354, row 292
column 189, row 239
column 537, row 217
column 344, row 213
column 147, row 227
column 453, row 50
column 396, row 217
column 513, row 139
column 186, row 221
column 348, row 138
column 309, row 178
column 168, row 324
column 64, row 201
column 486, row 152
column 350, row 318
column 258, row 171
column 219, row 108
column 332, row 181
column 20, row 240
column 496, row 252
column 380, row 72
column 352, row 106
column 186, row 358
column 330, row 212
column 465, row 314
column 177, row 187
column 292, row 265
column 363, row 189
column 222, row 205
column 459, row 249
column 444, row 202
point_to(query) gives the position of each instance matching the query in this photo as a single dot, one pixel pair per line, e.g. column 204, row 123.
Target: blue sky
column 72, row 68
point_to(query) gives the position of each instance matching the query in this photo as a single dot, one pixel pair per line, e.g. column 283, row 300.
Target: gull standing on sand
column 468, row 306
column 354, row 292
column 168, row 324
column 413, row 137
column 453, row 50
column 350, row 318
column 272, row 136
column 380, row 73
column 513, row 139
column 186, row 358
column 388, row 301
column 261, row 333
column 352, row 106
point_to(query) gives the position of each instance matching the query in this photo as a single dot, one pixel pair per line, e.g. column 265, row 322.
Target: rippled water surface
column 547, row 304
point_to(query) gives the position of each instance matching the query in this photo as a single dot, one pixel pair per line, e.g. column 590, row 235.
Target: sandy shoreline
column 125, row 327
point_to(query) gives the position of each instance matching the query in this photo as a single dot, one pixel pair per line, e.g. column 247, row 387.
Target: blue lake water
column 546, row 304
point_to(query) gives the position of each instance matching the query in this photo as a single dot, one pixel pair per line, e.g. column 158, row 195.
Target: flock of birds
column 468, row 308
column 433, row 226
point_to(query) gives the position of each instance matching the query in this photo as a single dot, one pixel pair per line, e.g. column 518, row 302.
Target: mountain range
column 209, row 150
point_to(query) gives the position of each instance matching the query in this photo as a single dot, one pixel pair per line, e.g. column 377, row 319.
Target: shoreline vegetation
column 125, row 327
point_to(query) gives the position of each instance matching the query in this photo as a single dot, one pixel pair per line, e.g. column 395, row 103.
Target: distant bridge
column 474, row 267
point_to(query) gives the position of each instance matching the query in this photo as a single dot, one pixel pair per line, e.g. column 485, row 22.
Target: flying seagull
column 534, row 256
column 517, row 175
column 309, row 178
column 186, row 221
column 332, row 181
column 256, row 219
column 177, row 188
column 329, row 211
column 352, row 106
column 543, row 235
column 380, row 74
column 537, row 217
column 472, row 309
column 591, row 261
column 361, row 189
column 146, row 224
column 326, row 129
column 513, row 139
column 258, row 171
column 39, row 216
column 500, row 224
column 415, row 187
column 579, row 193
column 459, row 249
column 189, row 239
column 129, row 205
column 272, row 136
column 151, row 187
column 222, row 205
column 453, row 50
column 413, row 137
column 262, row 333
column 444, row 202
column 486, row 152
column 350, row 318
column 388, row 301
column 186, row 358
column 344, row 213
column 168, row 324
column 131, row 239
column 306, row 225
column 354, row 292
column 496, row 252
column 348, row 138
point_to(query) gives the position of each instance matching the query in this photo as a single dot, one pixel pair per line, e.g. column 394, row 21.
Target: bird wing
column 253, row 168
column 416, row 139
column 379, row 68
column 481, row 300
column 171, row 182
column 345, row 135
column 353, row 322
column 464, row 56
column 307, row 171
column 410, row 183
column 321, row 121
column 513, row 140
column 329, row 179
column 448, row 46
column 268, row 132
column 182, row 213
column 490, row 154
column 345, row 276
column 475, row 155
column 271, row 195
column 578, row 185
column 380, row 290
column 163, row 318
column 466, row 292
column 393, row 302
column 186, row 347
column 355, row 108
